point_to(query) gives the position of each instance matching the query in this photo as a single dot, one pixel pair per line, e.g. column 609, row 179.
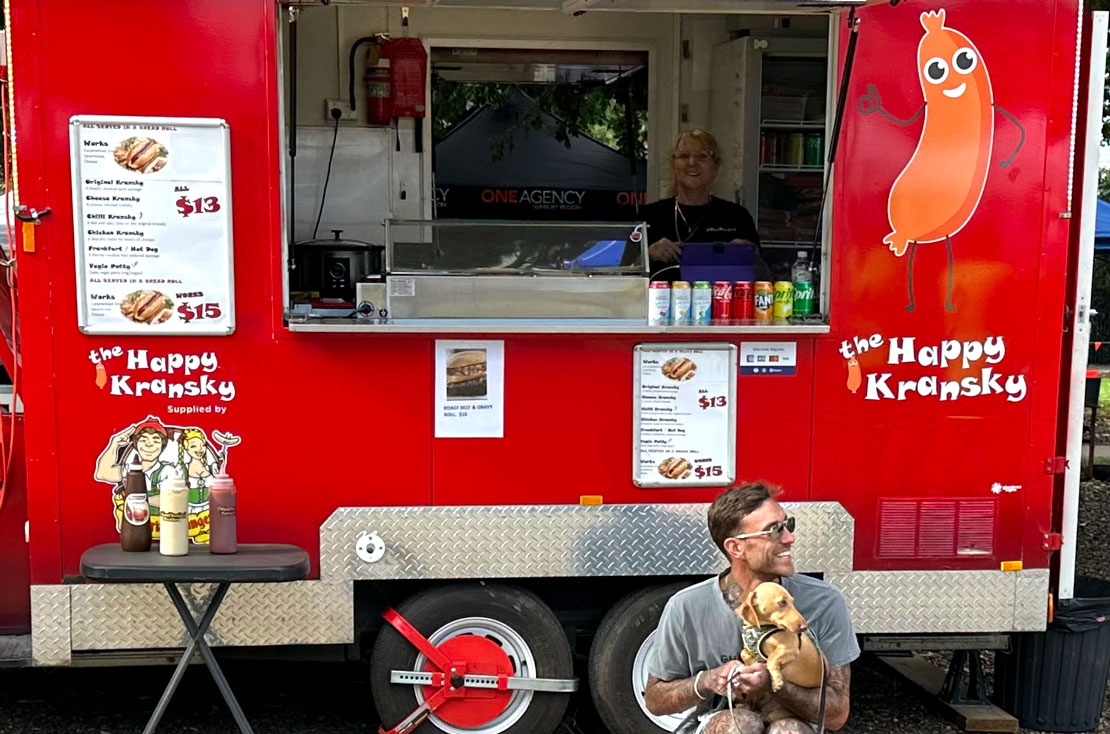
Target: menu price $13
column 200, row 205
column 716, row 401
column 188, row 312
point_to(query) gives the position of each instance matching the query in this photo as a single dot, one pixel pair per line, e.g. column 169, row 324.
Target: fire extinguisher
column 379, row 96
column 408, row 71
column 396, row 78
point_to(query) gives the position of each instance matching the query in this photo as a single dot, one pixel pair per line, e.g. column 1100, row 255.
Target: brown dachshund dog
column 774, row 632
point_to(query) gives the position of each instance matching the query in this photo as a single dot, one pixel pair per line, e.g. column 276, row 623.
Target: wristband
column 696, row 677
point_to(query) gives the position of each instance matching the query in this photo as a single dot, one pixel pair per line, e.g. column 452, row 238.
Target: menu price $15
column 715, row 401
column 188, row 312
column 200, row 205
column 701, row 472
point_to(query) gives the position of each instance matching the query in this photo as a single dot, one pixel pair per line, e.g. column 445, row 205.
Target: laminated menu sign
column 685, row 415
column 152, row 225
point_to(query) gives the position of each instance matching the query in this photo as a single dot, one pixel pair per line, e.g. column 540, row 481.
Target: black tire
column 434, row 609
column 622, row 633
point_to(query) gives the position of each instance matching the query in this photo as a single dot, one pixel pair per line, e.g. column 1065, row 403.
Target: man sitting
column 695, row 655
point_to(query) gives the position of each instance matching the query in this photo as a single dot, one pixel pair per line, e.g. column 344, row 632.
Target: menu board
column 152, row 225
column 685, row 415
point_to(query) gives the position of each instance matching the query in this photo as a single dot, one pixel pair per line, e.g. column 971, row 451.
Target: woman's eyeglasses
column 775, row 531
column 699, row 157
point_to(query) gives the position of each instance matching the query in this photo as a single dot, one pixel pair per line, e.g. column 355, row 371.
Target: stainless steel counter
column 543, row 326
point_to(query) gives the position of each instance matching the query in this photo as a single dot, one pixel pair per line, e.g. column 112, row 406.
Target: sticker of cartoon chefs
column 940, row 188
column 164, row 451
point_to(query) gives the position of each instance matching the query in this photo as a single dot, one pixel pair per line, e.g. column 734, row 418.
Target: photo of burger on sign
column 466, row 374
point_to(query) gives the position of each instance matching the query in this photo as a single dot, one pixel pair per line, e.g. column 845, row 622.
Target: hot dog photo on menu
column 142, row 155
column 675, row 467
column 466, row 374
column 679, row 368
column 146, row 307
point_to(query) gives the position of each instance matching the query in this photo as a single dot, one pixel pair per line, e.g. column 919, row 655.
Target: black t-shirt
column 717, row 221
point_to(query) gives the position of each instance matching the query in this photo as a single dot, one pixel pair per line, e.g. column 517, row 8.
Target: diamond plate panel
column 888, row 602
column 558, row 540
column 1031, row 600
column 141, row 616
column 50, row 625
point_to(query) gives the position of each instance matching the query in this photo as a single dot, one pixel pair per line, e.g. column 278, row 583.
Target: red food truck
column 471, row 425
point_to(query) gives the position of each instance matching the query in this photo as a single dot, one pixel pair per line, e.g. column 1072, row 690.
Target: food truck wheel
column 522, row 627
column 618, row 662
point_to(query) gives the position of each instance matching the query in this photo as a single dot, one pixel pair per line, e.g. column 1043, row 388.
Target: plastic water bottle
column 804, row 296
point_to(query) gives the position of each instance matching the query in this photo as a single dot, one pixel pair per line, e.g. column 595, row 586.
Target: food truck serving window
column 437, row 223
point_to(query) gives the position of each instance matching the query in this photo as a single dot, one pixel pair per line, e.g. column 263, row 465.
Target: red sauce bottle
column 221, row 515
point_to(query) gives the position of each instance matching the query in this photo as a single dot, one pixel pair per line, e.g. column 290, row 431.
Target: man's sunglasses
column 775, row 531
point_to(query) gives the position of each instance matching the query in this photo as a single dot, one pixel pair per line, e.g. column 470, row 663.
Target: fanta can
column 764, row 297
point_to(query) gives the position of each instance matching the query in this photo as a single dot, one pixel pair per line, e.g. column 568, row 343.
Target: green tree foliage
column 597, row 110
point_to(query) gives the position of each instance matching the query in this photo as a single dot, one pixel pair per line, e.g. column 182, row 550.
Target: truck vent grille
column 932, row 528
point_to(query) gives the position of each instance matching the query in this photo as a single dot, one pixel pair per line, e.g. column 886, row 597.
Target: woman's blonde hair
column 702, row 137
column 183, row 458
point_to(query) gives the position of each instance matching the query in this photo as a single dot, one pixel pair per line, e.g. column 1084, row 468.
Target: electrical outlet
column 342, row 105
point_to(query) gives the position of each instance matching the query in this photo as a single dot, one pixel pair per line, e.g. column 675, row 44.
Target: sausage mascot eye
column 936, row 70
column 964, row 61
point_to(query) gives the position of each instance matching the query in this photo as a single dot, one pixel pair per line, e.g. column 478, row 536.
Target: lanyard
column 690, row 231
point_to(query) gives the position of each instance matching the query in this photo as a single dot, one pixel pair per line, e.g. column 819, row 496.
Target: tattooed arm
column 671, row 696
column 675, row 696
column 806, row 702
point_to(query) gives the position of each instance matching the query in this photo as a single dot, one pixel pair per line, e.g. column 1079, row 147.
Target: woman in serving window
column 693, row 214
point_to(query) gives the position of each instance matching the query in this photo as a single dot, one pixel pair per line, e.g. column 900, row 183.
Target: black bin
column 1056, row 680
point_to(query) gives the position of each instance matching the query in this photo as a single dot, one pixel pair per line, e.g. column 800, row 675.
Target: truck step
column 928, row 679
column 15, row 651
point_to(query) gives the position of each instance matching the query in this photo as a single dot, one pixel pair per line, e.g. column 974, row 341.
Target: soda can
column 783, row 300
column 764, row 300
column 813, row 142
column 796, row 149
column 702, row 306
column 681, row 300
column 659, row 303
column 722, row 301
column 804, row 299
column 767, row 149
column 743, row 301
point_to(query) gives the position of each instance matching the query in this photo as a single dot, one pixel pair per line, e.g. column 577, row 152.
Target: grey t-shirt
column 698, row 631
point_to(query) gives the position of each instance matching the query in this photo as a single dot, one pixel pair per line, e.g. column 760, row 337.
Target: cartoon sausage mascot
column 855, row 379
column 939, row 189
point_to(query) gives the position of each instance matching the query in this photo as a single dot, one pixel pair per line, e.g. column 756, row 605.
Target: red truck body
column 935, row 429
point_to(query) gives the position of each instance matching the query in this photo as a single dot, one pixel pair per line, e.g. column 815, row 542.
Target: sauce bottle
column 134, row 532
column 174, row 517
column 221, row 511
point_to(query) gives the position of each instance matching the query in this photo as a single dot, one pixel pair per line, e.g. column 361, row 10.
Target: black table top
column 255, row 562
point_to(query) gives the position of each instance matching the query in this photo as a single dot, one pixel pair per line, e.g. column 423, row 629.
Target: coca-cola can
column 743, row 300
column 722, row 301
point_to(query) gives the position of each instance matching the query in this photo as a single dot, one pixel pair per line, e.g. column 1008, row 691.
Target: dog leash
column 824, row 692
column 820, row 707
